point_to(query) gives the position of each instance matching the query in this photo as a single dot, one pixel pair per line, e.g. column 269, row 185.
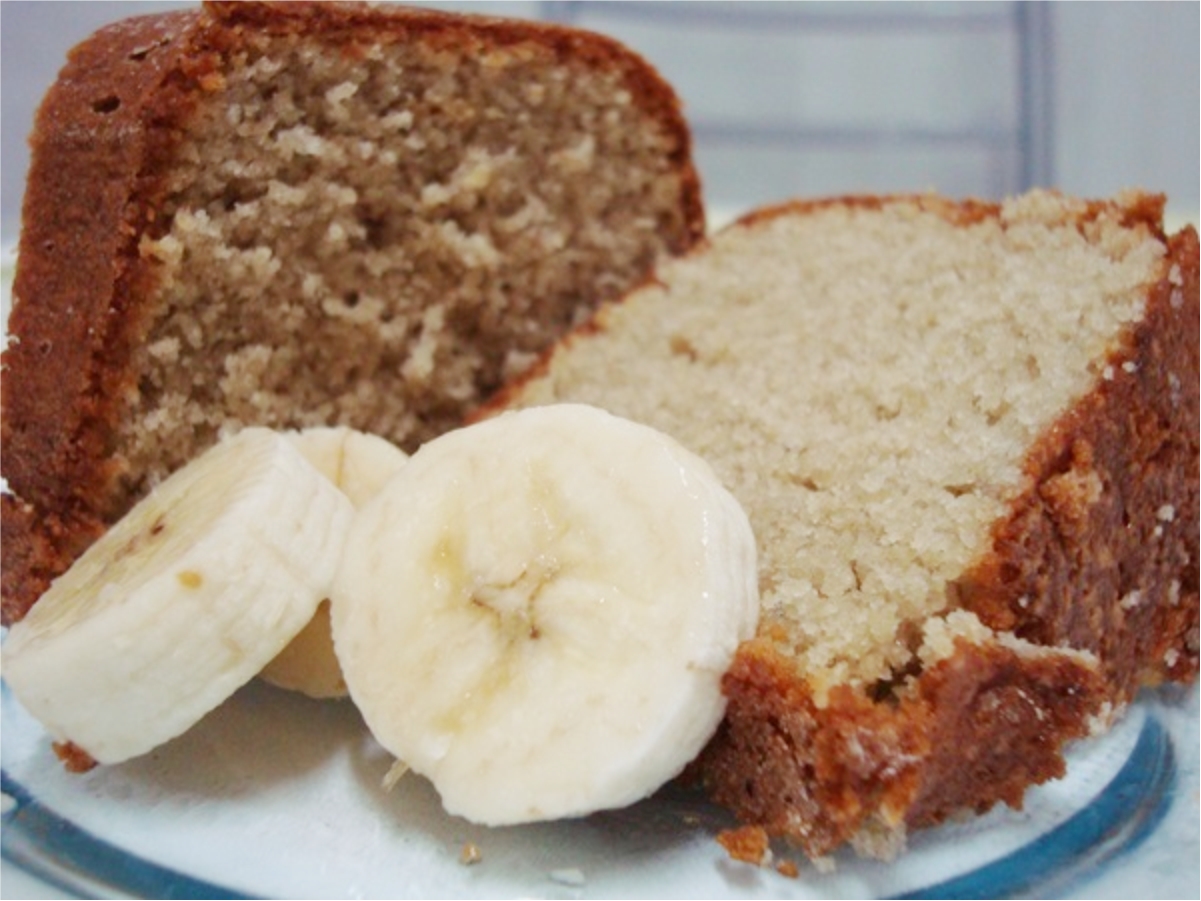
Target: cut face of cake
column 297, row 215
column 966, row 438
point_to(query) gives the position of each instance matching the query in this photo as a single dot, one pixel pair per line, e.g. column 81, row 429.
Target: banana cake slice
column 309, row 214
column 966, row 436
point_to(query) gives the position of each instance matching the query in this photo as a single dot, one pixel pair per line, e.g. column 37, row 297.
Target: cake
column 966, row 436
column 305, row 214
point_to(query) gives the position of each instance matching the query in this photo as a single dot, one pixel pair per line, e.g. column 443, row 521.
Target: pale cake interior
column 378, row 240
column 867, row 383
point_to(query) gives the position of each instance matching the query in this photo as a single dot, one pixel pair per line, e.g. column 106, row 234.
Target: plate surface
column 276, row 795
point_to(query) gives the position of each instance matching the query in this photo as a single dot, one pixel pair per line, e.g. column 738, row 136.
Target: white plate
column 276, row 795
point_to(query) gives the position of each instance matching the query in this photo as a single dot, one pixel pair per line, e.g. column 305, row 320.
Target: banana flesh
column 536, row 612
column 359, row 464
column 182, row 601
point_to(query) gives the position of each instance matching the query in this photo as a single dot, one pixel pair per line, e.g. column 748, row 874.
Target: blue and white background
column 967, row 98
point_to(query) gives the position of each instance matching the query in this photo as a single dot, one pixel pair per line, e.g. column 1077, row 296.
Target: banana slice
column 359, row 464
column 537, row 611
column 182, row 601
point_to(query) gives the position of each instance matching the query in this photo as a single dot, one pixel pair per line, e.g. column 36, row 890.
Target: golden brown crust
column 70, row 295
column 1144, row 210
column 1100, row 552
column 999, row 722
column 780, row 762
column 74, row 316
column 111, row 123
column 36, row 544
column 974, row 730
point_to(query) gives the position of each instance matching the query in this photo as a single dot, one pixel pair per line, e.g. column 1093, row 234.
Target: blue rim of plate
column 1114, row 823
column 1128, row 810
column 55, row 851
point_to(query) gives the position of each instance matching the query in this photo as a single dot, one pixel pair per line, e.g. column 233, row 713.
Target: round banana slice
column 182, row 601
column 537, row 611
column 358, row 463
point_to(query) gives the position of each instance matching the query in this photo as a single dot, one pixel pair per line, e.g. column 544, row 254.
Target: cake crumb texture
column 313, row 214
column 957, row 430
column 747, row 844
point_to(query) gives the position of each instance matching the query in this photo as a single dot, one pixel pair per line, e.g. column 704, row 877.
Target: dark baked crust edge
column 77, row 272
column 71, row 294
column 35, row 546
column 1100, row 552
column 975, row 729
